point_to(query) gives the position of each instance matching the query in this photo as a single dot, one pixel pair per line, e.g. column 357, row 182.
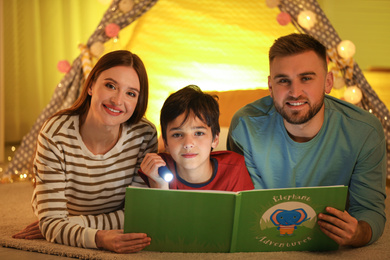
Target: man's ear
column 270, row 86
column 329, row 82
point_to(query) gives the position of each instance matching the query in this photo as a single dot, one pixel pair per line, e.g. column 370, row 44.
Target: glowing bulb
column 13, row 148
column 307, row 19
column 126, row 5
column 165, row 173
column 353, row 94
column 338, row 82
column 346, row 49
column 97, row 48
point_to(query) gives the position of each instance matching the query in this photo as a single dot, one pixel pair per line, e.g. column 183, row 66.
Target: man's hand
column 30, row 232
column 119, row 242
column 344, row 229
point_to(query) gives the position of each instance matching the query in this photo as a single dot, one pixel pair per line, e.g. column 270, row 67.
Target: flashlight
column 165, row 173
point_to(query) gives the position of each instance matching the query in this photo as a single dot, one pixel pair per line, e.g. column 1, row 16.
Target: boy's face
column 190, row 144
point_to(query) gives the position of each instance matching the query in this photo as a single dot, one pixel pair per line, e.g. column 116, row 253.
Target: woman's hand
column 30, row 232
column 119, row 242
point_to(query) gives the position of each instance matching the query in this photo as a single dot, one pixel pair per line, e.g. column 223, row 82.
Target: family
column 297, row 136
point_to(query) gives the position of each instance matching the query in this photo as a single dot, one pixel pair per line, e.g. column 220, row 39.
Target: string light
column 307, row 19
column 353, row 95
column 346, row 49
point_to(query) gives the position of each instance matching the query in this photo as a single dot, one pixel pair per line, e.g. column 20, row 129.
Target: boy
column 190, row 130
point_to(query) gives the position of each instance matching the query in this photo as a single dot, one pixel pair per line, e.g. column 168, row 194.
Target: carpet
column 16, row 213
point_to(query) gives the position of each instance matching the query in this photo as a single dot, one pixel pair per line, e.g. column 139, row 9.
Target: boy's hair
column 190, row 99
column 296, row 43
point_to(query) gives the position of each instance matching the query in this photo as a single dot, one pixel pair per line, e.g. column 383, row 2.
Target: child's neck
column 201, row 174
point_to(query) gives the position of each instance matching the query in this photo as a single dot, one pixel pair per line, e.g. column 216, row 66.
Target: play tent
column 219, row 45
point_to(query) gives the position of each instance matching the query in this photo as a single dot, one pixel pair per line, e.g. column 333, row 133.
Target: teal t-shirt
column 349, row 149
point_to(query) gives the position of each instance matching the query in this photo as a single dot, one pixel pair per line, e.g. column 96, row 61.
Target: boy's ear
column 215, row 141
column 166, row 147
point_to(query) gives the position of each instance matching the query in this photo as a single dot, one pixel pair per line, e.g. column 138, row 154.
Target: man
column 300, row 137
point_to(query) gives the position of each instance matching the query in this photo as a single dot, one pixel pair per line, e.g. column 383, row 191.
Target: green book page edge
column 236, row 221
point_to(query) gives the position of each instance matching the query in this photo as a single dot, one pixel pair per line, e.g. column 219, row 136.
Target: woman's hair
column 110, row 60
column 296, row 43
column 190, row 99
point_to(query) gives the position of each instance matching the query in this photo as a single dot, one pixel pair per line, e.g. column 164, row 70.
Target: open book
column 247, row 221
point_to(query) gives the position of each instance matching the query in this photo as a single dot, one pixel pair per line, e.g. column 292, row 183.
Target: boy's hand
column 344, row 229
column 149, row 167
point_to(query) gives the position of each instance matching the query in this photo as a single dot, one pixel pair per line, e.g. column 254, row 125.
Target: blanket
column 16, row 214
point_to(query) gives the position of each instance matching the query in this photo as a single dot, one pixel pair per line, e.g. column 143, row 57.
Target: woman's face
column 114, row 96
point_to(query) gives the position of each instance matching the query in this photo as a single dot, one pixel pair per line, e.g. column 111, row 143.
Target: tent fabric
column 69, row 88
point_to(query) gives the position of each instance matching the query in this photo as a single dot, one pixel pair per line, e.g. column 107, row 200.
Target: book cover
column 247, row 221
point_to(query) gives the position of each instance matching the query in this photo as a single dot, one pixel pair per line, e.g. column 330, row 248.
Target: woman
column 88, row 154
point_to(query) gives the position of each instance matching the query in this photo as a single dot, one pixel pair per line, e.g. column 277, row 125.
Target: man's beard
column 295, row 117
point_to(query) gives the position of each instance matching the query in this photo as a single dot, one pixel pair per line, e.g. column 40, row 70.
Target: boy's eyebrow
column 179, row 128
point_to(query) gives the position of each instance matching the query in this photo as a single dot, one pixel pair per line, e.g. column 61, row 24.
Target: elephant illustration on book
column 288, row 220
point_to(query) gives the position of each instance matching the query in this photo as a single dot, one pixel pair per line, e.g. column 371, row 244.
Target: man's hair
column 296, row 43
column 190, row 99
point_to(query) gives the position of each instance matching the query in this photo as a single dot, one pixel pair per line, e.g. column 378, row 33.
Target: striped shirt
column 78, row 193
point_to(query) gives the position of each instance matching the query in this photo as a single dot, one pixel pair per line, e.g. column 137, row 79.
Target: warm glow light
column 97, row 49
column 13, row 148
column 126, row 5
column 223, row 52
column 353, row 94
column 307, row 19
column 346, row 49
column 338, row 82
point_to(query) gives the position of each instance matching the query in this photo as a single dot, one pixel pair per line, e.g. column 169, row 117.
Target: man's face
column 298, row 84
